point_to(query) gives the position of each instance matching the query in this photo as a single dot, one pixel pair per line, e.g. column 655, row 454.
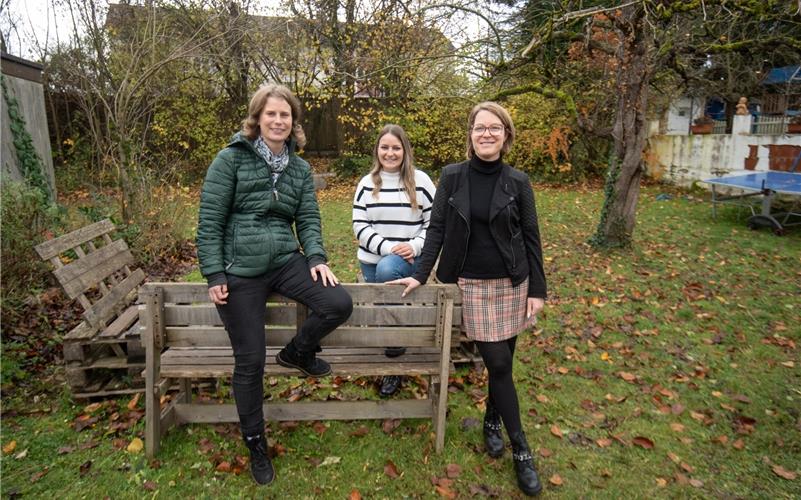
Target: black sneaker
column 306, row 362
column 260, row 466
column 389, row 385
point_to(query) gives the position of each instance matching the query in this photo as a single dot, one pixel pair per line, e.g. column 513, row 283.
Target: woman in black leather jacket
column 484, row 230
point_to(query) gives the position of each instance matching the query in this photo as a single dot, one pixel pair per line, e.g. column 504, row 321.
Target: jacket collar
column 502, row 195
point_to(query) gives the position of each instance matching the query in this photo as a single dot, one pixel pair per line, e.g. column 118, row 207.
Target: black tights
column 498, row 358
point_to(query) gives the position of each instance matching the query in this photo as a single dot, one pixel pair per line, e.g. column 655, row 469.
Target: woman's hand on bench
column 218, row 294
column 325, row 274
column 409, row 283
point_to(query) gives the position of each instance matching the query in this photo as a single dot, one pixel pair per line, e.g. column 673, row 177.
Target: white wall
column 681, row 113
column 685, row 159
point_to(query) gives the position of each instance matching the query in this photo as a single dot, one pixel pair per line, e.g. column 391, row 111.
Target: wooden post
column 152, row 318
column 444, row 326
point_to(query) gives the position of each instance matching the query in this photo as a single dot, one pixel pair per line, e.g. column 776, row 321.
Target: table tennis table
column 765, row 184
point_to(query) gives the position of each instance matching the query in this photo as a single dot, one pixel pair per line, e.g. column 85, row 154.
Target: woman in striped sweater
column 391, row 210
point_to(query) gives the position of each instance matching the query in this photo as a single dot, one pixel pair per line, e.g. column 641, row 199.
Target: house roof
column 786, row 74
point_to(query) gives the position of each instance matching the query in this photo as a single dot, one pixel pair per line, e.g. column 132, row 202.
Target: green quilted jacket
column 245, row 223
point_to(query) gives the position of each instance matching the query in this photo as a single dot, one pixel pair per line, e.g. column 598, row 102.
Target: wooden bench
column 184, row 340
column 104, row 348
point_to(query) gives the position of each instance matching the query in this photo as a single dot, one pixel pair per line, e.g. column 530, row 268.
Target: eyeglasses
column 493, row 129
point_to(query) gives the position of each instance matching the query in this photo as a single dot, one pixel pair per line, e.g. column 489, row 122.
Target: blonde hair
column 250, row 125
column 407, row 165
column 503, row 115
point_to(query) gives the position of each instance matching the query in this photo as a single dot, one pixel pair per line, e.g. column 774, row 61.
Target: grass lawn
column 668, row 370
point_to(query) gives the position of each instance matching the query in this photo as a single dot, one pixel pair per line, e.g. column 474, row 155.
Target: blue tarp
column 787, row 74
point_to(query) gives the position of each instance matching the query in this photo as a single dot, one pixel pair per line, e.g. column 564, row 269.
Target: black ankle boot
column 306, row 362
column 493, row 439
column 260, row 466
column 527, row 479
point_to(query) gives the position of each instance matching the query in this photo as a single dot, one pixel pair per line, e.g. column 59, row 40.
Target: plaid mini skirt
column 493, row 309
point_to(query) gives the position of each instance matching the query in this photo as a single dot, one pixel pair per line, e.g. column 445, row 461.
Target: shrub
column 352, row 166
column 28, row 219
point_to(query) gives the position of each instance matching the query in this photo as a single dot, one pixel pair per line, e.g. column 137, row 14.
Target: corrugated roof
column 786, row 74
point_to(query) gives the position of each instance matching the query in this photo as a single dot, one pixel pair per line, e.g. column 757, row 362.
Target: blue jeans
column 390, row 267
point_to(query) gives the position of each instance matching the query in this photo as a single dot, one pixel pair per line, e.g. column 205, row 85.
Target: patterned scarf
column 277, row 162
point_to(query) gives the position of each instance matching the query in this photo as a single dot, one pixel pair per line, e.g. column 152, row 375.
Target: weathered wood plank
column 52, row 248
column 177, row 352
column 82, row 331
column 312, row 410
column 80, row 275
column 332, row 358
column 122, row 323
column 102, row 310
column 368, row 315
column 190, row 293
column 377, row 337
column 342, row 369
column 109, row 363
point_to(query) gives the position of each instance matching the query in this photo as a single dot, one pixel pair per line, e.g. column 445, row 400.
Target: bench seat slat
column 341, row 369
column 376, row 337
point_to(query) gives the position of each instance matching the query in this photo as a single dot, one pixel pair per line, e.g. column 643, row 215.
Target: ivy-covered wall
column 29, row 98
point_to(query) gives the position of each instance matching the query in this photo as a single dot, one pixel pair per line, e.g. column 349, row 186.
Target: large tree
column 652, row 44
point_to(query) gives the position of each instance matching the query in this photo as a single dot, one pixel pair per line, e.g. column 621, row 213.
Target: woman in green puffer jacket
column 255, row 190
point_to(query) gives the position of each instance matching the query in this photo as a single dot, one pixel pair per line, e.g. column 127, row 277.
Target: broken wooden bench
column 184, row 340
column 104, row 348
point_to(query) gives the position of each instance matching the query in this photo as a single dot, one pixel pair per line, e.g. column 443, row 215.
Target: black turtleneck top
column 483, row 259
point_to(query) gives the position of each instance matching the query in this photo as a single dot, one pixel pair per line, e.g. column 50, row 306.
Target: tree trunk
column 633, row 57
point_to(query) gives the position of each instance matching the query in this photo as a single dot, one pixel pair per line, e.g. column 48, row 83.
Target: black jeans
column 244, row 317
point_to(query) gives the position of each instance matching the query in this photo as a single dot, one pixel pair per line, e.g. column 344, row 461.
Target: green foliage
column 352, row 167
column 25, row 224
column 30, row 164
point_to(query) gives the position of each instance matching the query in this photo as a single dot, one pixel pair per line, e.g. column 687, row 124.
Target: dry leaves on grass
column 643, row 442
column 784, row 473
column 391, row 470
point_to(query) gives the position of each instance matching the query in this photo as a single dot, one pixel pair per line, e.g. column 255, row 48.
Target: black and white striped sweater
column 380, row 224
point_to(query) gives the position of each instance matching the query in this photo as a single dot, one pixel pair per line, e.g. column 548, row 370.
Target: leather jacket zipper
column 511, row 237
column 467, row 224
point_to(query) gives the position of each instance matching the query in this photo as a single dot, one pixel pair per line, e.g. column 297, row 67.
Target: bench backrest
column 87, row 259
column 180, row 314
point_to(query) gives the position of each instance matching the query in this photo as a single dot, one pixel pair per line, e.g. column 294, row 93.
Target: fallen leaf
column 556, row 480
column 65, row 449
column 319, row 428
column 134, row 401
column 563, row 370
column 92, row 407
column 788, row 364
column 390, row 425
column 677, row 427
column 84, row 467
column 628, row 377
column 738, row 444
column 391, row 470
column 361, row 431
column 453, row 470
column 149, row 486
column 673, row 457
column 545, row 452
column 355, row 495
column 39, row 475
column 643, row 442
column 556, row 431
column 661, row 482
column 722, row 439
column 10, row 447
column 603, row 442
column 21, row 455
column 677, row 408
column 687, row 467
column 542, row 398
column 696, row 483
column 784, row 473
column 331, row 460
column 445, row 492
column 224, row 466
column 135, row 446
